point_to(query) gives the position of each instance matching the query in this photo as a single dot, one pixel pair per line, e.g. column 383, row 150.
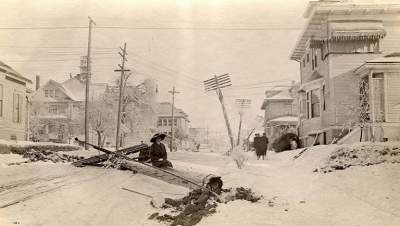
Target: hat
column 157, row 135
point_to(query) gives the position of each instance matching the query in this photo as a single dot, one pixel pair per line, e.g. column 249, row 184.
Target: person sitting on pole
column 158, row 153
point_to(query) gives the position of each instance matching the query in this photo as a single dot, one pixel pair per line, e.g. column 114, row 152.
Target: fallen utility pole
column 172, row 143
column 182, row 178
column 121, row 92
column 88, row 75
column 217, row 83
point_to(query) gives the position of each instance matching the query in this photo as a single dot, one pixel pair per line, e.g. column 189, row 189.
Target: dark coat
column 157, row 152
column 261, row 145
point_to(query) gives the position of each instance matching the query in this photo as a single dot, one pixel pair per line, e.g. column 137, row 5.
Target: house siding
column 393, row 96
column 9, row 128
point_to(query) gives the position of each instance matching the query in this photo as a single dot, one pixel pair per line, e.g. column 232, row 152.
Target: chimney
column 37, row 82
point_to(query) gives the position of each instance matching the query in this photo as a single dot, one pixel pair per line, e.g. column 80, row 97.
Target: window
column 315, row 60
column 55, row 93
column 1, row 100
column 323, row 98
column 378, row 97
column 308, row 105
column 160, row 122
column 63, row 110
column 53, row 109
column 17, row 107
column 46, row 93
column 169, row 122
column 175, row 122
column 312, row 64
column 315, row 104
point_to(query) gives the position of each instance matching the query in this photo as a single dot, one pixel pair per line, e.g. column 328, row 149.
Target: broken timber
column 95, row 160
column 168, row 175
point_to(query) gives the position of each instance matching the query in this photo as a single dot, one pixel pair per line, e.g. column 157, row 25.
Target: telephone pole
column 88, row 75
column 241, row 104
column 172, row 143
column 121, row 91
column 217, row 83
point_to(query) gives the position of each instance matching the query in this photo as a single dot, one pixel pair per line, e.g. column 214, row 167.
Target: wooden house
column 57, row 109
column 338, row 38
column 12, row 103
column 281, row 112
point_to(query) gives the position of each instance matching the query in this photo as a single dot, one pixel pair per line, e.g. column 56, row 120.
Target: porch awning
column 356, row 30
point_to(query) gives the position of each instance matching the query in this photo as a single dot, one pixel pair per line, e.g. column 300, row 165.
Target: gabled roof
column 75, row 89
column 282, row 95
column 9, row 70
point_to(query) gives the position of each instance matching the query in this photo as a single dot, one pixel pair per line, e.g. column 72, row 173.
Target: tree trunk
column 361, row 133
column 98, row 138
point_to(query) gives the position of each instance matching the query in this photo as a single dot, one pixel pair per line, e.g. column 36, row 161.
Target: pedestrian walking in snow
column 257, row 145
column 158, row 152
column 264, row 145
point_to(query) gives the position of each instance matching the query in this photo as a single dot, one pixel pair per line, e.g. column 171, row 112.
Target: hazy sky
column 180, row 57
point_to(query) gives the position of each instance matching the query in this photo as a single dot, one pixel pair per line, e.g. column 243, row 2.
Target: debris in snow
column 20, row 147
column 46, row 156
column 362, row 154
column 199, row 203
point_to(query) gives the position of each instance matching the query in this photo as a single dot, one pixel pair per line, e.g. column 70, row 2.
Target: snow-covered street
column 61, row 194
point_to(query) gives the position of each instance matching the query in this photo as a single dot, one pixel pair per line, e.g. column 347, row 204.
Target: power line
column 168, row 73
column 167, row 68
column 53, row 47
column 154, row 28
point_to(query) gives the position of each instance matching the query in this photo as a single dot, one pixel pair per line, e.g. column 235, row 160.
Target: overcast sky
column 180, row 57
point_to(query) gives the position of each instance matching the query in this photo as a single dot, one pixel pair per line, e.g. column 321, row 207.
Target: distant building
column 13, row 108
column 164, row 121
column 58, row 108
column 198, row 135
column 344, row 54
column 281, row 112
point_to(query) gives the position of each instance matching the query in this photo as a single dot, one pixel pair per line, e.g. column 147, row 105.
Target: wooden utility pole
column 172, row 143
column 241, row 104
column 240, row 128
column 88, row 75
column 216, row 84
column 121, row 92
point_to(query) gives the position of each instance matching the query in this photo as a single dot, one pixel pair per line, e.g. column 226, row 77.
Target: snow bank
column 362, row 154
column 20, row 147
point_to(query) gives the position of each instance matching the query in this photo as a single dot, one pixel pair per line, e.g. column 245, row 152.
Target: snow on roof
column 285, row 119
column 390, row 58
column 51, row 117
column 76, row 89
column 282, row 95
column 164, row 109
column 9, row 70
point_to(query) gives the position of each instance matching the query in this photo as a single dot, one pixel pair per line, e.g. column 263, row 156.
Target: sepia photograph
column 200, row 113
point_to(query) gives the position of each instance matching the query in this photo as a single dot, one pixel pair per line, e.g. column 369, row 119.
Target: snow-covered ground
column 60, row 194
